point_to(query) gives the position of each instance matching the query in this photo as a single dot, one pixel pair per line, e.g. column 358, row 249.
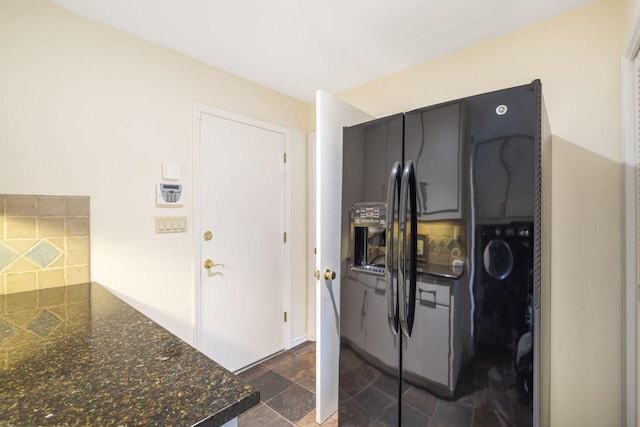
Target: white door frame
column 630, row 208
column 198, row 110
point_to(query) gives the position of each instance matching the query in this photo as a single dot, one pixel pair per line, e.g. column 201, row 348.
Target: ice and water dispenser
column 369, row 224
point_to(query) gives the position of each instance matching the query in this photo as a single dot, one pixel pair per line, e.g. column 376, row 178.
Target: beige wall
column 579, row 67
column 88, row 110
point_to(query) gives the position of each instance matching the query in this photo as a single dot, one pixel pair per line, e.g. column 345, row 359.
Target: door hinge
column 284, row 237
column 315, row 251
column 285, row 157
column 285, row 317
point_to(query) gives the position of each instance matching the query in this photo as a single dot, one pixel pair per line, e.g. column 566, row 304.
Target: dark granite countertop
column 79, row 355
column 445, row 271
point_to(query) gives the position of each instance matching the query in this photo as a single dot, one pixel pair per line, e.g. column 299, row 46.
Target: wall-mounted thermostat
column 168, row 194
column 170, row 171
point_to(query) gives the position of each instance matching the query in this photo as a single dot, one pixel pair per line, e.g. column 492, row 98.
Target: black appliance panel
column 504, row 287
column 503, row 160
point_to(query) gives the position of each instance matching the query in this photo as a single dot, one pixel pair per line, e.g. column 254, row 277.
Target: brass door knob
column 329, row 275
column 210, row 264
column 208, row 235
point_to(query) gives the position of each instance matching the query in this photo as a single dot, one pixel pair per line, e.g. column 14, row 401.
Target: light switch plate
column 171, row 224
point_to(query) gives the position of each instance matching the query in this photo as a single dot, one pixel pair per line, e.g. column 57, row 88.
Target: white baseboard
column 298, row 341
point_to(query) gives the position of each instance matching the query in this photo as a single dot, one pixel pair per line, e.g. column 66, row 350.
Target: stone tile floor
column 287, row 384
column 287, row 393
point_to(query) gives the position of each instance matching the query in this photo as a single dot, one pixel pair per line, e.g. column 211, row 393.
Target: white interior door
column 241, row 300
column 331, row 116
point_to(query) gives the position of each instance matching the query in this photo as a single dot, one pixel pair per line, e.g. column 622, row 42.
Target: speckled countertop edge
column 79, row 355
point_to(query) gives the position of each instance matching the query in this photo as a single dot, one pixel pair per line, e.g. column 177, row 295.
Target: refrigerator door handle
column 407, row 298
column 392, row 302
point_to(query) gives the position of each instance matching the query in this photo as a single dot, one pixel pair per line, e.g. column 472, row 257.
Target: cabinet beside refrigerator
column 433, row 355
column 434, row 139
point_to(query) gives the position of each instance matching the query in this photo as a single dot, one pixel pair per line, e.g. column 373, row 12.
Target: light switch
column 171, row 224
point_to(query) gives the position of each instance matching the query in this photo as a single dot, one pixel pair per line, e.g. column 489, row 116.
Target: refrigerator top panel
column 503, row 128
column 504, row 113
column 369, row 151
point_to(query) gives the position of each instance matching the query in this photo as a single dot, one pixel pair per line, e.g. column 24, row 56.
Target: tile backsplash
column 443, row 241
column 31, row 323
column 44, row 242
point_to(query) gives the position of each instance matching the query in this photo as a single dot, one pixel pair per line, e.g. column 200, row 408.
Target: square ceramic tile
column 20, row 227
column 50, row 227
column 18, row 205
column 262, row 415
column 51, row 206
column 77, row 206
column 270, row 384
column 77, row 226
column 295, row 368
column 21, row 282
column 51, row 278
column 293, row 403
column 78, row 274
column 77, row 258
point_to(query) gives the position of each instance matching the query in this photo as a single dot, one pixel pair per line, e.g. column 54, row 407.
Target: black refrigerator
column 440, row 253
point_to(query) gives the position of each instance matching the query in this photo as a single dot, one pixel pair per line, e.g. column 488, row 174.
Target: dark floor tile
column 389, row 418
column 389, row 384
column 481, row 400
column 352, row 415
column 482, row 418
column 373, row 401
column 449, row 414
column 356, row 380
column 500, row 404
column 466, row 399
column 293, row 403
column 296, row 368
column 253, row 372
column 420, row 399
column 348, row 359
column 308, row 382
column 269, row 384
column 410, row 417
column 275, row 360
column 413, row 417
column 262, row 416
column 304, row 348
column 466, row 386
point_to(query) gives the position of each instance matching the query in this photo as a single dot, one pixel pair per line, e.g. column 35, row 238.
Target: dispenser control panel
column 368, row 247
column 369, row 215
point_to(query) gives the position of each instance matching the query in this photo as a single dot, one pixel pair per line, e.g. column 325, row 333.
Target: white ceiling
column 298, row 46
